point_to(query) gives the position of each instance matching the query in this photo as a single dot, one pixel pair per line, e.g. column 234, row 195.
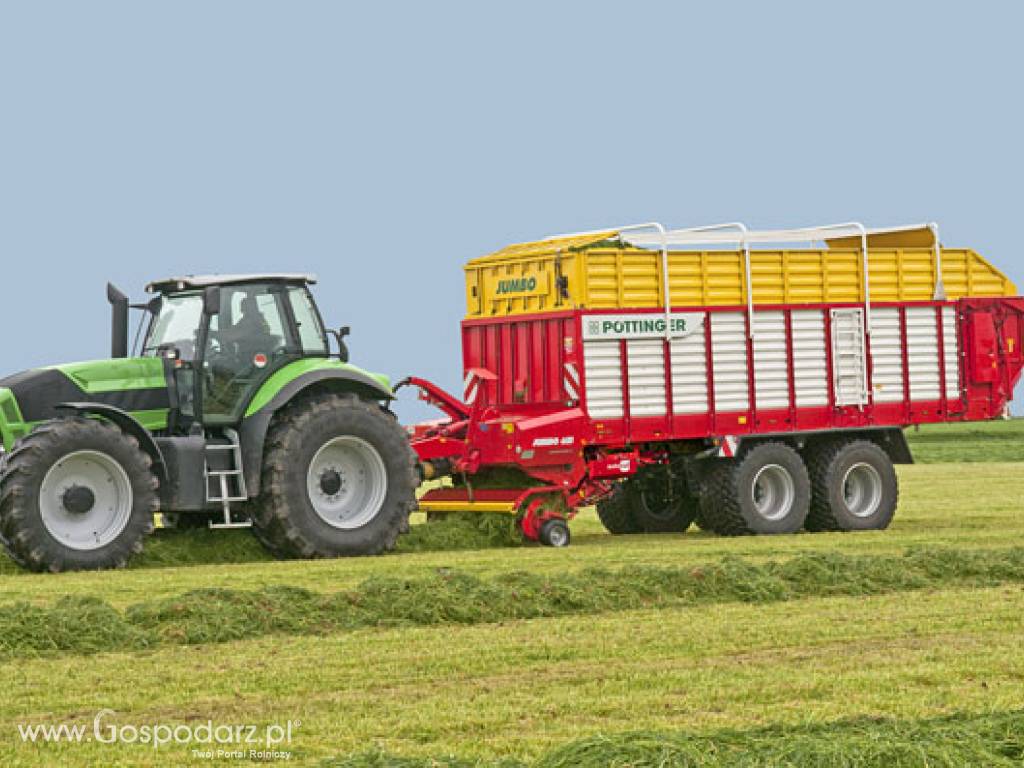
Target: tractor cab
column 225, row 335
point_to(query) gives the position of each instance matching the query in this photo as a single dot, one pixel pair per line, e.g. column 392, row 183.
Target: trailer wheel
column 338, row 479
column 765, row 491
column 853, row 487
column 661, row 501
column 555, row 533
column 616, row 511
column 76, row 494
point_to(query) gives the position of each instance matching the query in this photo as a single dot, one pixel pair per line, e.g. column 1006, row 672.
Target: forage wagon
column 751, row 381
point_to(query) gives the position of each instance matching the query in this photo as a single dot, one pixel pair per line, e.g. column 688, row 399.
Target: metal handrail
column 662, row 232
column 805, row 234
column 723, row 233
column 744, row 242
column 940, row 286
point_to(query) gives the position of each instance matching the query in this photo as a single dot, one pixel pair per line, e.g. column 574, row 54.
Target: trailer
column 749, row 381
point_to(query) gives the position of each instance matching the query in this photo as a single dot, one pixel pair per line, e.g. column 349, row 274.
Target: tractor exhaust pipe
column 118, row 321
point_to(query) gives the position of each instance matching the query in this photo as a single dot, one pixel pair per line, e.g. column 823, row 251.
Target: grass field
column 891, row 648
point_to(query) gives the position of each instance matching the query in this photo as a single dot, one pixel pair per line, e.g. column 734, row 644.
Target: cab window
column 311, row 332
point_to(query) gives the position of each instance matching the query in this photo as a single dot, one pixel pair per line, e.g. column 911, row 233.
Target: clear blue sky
column 381, row 145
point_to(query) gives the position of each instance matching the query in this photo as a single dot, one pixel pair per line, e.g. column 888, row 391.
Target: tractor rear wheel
column 76, row 494
column 853, row 487
column 766, row 490
column 338, row 479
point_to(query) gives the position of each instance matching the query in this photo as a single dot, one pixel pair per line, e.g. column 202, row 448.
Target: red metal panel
column 528, row 355
column 556, row 373
column 790, row 367
column 939, row 337
column 709, row 370
column 538, row 348
column 905, row 357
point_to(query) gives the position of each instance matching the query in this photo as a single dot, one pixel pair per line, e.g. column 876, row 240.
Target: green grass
column 88, row 624
column 644, row 650
column 521, row 688
column 987, row 441
column 945, row 742
column 934, row 511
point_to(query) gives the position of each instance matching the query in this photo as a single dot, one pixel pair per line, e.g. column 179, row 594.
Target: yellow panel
column 600, row 274
column 467, row 506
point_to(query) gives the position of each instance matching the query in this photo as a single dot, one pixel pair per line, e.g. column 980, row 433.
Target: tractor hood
column 136, row 385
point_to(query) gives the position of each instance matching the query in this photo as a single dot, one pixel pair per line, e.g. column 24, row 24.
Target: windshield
column 176, row 325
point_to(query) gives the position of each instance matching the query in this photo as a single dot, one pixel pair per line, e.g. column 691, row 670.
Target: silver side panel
column 689, row 374
column 809, row 357
column 771, row 370
column 729, row 361
column 886, row 355
column 923, row 353
column 646, row 370
column 603, row 372
column 849, row 364
column 952, row 356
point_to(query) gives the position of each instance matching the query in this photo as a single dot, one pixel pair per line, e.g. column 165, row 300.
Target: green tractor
column 233, row 413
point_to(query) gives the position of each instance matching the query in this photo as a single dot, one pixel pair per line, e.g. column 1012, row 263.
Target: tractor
column 233, row 412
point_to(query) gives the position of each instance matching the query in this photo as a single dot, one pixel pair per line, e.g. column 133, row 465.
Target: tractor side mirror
column 211, row 299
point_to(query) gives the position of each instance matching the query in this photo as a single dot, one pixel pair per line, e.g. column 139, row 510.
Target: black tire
column 555, row 533
column 616, row 512
column 728, row 502
column 841, row 473
column 284, row 516
column 24, row 529
column 661, row 501
column 700, row 519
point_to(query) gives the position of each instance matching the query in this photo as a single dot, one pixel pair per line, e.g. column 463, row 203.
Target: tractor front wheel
column 338, row 480
column 76, row 494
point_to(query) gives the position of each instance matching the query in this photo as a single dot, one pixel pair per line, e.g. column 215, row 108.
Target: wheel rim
column 347, row 482
column 85, row 500
column 773, row 492
column 862, row 490
column 558, row 536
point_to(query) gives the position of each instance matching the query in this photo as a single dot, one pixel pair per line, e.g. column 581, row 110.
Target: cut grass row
column 956, row 741
column 935, row 510
column 89, row 624
column 522, row 688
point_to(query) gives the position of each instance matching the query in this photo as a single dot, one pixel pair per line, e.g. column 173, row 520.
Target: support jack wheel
column 555, row 533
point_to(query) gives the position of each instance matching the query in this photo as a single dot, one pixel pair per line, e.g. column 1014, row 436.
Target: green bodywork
column 12, row 425
column 286, row 375
column 115, row 375
column 100, row 377
column 93, row 377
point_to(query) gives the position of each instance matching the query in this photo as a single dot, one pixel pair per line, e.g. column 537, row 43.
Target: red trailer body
column 578, row 399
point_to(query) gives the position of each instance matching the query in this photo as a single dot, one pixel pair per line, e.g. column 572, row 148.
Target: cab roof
column 187, row 282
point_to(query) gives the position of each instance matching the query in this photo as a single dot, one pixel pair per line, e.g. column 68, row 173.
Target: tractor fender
column 253, row 431
column 128, row 424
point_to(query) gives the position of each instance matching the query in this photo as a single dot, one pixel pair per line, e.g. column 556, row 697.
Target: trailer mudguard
column 285, row 385
column 126, row 423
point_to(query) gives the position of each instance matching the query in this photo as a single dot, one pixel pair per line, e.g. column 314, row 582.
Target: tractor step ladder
column 224, row 479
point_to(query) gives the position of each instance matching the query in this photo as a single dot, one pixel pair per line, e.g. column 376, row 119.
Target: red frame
column 524, row 416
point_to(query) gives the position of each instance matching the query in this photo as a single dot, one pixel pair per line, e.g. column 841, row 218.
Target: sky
column 382, row 145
